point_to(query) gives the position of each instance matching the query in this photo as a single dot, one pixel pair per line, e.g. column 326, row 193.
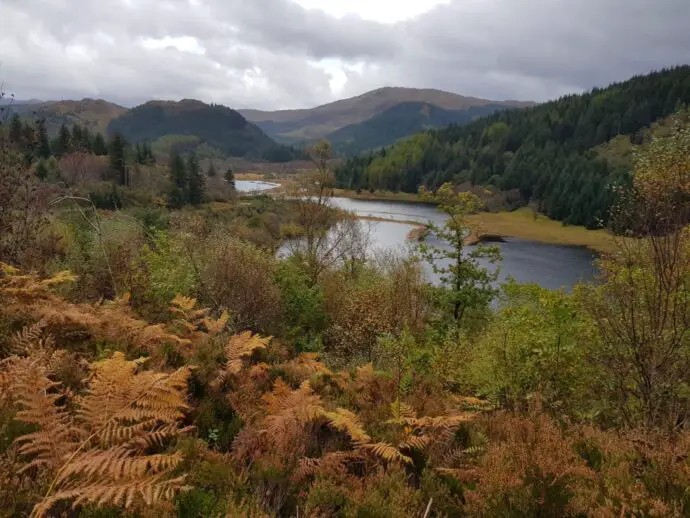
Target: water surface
column 550, row 266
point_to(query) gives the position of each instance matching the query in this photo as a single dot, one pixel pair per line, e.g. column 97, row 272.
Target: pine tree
column 230, row 177
column 177, row 196
column 76, row 136
column 466, row 281
column 211, row 172
column 99, row 147
column 42, row 143
column 117, row 159
column 86, row 144
column 63, row 142
column 195, row 181
column 15, row 129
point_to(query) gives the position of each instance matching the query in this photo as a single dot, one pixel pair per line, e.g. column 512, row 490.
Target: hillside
column 400, row 121
column 216, row 129
column 292, row 126
column 95, row 114
column 546, row 152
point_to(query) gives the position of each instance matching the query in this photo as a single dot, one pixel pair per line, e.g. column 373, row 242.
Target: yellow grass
column 522, row 224
column 378, row 195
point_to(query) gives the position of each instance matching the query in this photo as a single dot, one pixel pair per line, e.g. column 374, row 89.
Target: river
column 550, row 266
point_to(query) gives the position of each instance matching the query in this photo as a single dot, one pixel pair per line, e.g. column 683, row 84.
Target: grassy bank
column 379, row 196
column 522, row 224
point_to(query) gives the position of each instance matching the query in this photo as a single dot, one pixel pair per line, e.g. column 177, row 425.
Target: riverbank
column 403, row 197
column 523, row 224
column 489, row 226
column 496, row 226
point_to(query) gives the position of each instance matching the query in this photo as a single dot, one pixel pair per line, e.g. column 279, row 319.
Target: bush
column 238, row 277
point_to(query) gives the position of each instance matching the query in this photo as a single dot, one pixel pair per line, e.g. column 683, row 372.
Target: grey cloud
column 267, row 53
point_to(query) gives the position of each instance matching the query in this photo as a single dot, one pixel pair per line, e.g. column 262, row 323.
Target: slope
column 400, row 121
column 315, row 123
column 545, row 152
column 217, row 128
column 95, row 114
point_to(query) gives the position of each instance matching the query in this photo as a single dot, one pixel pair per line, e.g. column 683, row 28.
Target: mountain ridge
column 400, row 121
column 196, row 123
column 314, row 123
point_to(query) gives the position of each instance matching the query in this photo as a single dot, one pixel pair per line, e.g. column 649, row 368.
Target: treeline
column 33, row 141
column 547, row 152
column 187, row 182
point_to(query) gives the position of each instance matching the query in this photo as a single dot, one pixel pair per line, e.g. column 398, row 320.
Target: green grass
column 523, row 224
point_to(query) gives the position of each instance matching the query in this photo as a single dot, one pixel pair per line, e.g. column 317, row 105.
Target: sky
column 279, row 54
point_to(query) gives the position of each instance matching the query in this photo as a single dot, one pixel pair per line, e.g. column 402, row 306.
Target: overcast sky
column 272, row 54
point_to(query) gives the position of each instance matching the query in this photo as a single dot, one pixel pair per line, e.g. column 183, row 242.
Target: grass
column 522, row 224
column 379, row 195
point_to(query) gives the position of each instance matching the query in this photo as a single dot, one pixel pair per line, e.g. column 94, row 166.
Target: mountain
column 214, row 130
column 95, row 114
column 549, row 153
column 294, row 126
column 399, row 121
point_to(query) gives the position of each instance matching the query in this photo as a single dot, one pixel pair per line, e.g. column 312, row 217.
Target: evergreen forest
column 547, row 152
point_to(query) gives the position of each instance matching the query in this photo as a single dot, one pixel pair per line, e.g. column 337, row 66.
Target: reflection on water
column 550, row 266
column 254, row 186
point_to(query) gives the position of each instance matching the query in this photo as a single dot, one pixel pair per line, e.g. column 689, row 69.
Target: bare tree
column 329, row 236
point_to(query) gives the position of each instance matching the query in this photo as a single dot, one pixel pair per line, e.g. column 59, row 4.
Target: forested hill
column 400, row 121
column 545, row 151
column 211, row 130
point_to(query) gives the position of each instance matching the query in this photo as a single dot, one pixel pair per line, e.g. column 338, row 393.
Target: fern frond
column 31, row 338
column 414, row 442
column 292, row 410
column 215, row 326
column 440, row 422
column 238, row 348
column 401, row 412
column 182, row 304
column 304, row 367
column 387, row 452
column 125, row 493
column 118, row 463
column 348, row 422
column 38, row 400
column 119, row 403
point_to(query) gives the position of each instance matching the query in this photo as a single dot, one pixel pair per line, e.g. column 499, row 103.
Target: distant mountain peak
column 295, row 126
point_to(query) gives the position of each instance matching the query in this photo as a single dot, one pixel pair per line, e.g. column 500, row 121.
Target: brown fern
column 303, row 367
column 238, row 349
column 348, row 422
column 101, row 453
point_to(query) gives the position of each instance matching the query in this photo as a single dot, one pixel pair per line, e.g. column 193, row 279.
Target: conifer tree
column 86, row 140
column 211, row 172
column 195, row 181
column 466, row 282
column 76, row 135
column 99, row 147
column 41, row 136
column 177, row 196
column 230, row 177
column 63, row 142
column 117, row 159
